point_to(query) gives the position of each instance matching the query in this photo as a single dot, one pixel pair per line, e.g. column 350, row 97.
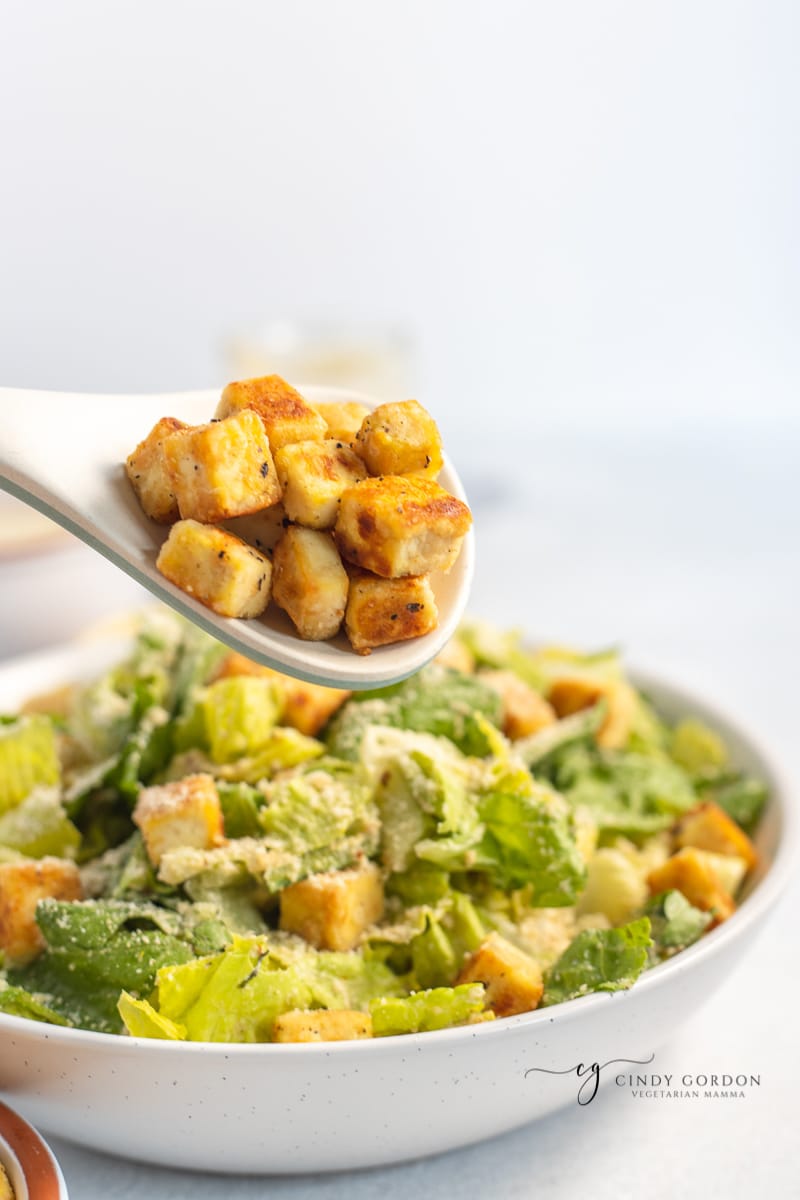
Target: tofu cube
column 342, row 1025
column 396, row 526
column 222, row 470
column 313, row 476
column 22, row 885
column 525, row 711
column 218, row 569
column 513, row 981
column 284, row 414
column 400, row 439
column 332, row 911
column 260, row 529
column 457, row 656
column 172, row 816
column 343, row 418
column 572, row 693
column 709, row 827
column 690, row 873
column 383, row 611
column 309, row 582
column 149, row 474
column 307, row 706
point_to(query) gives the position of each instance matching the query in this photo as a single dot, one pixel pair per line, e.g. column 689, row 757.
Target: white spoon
column 63, row 454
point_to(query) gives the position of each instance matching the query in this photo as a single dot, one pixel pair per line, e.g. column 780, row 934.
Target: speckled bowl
column 30, row 1166
column 300, row 1108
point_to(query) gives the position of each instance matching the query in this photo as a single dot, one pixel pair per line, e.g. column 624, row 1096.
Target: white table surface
column 685, row 549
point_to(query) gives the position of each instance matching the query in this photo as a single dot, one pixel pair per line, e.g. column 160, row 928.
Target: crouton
column 513, row 981
column 284, row 414
column 307, row 706
column 222, row 470
column 218, row 569
column 343, row 418
column 309, row 582
column 172, row 816
column 572, row 693
column 524, row 710
column 457, row 656
column 709, row 827
column 400, row 439
column 341, row 1025
column 688, row 872
column 383, row 611
column 313, row 476
column 398, row 526
column 149, row 474
column 22, row 885
column 331, row 911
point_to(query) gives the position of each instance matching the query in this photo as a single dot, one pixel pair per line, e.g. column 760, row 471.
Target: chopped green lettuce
column 39, row 826
column 436, row 1008
column 697, row 748
column 239, row 715
column 675, row 924
column 95, row 949
column 437, row 700
column 236, row 996
column 599, row 960
column 28, row 759
column 18, row 1002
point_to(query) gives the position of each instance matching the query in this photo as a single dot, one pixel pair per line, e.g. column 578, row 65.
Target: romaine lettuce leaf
column 436, row 700
column 599, row 960
column 675, row 924
column 39, row 826
column 95, row 949
column 236, row 995
column 436, row 1008
column 28, row 759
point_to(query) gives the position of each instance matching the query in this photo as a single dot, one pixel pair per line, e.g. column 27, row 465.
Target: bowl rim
column 23, row 1147
column 758, row 902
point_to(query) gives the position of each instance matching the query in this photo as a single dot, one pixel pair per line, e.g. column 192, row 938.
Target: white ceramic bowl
column 300, row 1108
column 30, row 1166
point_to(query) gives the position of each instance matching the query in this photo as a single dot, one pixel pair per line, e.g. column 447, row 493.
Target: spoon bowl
column 63, row 454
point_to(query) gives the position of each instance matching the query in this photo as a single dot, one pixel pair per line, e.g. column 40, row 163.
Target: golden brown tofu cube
column 400, row 525
column 307, row 706
column 149, row 474
column 383, row 611
column 283, row 412
column 223, row 469
column 184, row 813
column 689, row 873
column 309, row 582
column 22, row 885
column 513, row 981
column 343, row 418
column 313, row 476
column 573, row 693
column 709, row 827
column 400, row 439
column 218, row 569
column 524, row 710
column 331, row 911
column 457, row 656
column 342, row 1025
column 260, row 529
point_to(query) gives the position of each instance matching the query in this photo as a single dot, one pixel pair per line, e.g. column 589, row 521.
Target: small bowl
column 31, row 1168
column 343, row 1105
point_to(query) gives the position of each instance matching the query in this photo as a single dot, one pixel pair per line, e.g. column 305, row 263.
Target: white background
column 578, row 212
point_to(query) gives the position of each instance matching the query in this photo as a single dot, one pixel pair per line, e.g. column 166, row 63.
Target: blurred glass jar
column 375, row 361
